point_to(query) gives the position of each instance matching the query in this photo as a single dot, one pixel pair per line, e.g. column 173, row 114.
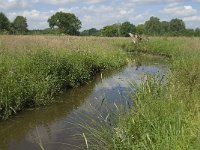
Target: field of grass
column 165, row 116
column 35, row 68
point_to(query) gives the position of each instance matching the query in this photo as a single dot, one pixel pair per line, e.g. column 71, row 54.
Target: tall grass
column 33, row 69
column 165, row 116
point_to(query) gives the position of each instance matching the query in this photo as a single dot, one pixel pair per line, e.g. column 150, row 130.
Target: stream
column 54, row 126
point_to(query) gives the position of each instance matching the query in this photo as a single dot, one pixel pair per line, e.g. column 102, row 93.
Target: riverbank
column 165, row 116
column 33, row 69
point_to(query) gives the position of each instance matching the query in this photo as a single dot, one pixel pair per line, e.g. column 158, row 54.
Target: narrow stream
column 51, row 125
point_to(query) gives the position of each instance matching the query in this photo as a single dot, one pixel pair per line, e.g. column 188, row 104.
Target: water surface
column 54, row 126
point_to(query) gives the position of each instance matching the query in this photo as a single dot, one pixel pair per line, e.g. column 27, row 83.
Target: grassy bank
column 164, row 116
column 35, row 68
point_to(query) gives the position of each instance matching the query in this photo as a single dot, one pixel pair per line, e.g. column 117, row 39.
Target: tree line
column 68, row 23
column 151, row 27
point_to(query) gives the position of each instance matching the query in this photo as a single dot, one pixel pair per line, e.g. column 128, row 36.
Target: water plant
column 32, row 73
column 164, row 116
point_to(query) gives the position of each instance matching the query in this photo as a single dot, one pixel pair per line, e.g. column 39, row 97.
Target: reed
column 33, row 69
column 165, row 115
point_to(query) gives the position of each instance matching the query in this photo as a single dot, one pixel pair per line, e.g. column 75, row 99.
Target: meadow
column 33, row 69
column 165, row 115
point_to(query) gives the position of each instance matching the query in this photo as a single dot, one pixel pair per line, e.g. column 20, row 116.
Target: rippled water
column 54, row 126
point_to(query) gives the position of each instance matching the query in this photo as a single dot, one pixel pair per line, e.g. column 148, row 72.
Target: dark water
column 54, row 126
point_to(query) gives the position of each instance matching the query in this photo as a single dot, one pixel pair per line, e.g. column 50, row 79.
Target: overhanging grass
column 32, row 76
column 164, row 116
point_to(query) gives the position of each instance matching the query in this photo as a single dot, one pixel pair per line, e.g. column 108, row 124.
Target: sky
column 99, row 13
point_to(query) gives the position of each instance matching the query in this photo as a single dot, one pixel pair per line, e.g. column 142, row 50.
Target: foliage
column 111, row 31
column 35, row 68
column 177, row 26
column 165, row 27
column 140, row 29
column 20, row 25
column 67, row 23
column 152, row 26
column 90, row 32
column 4, row 23
column 126, row 28
column 166, row 112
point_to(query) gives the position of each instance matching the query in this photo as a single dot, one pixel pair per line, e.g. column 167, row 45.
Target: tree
column 126, row 28
column 152, row 26
column 20, row 25
column 197, row 32
column 4, row 23
column 165, row 27
column 140, row 29
column 177, row 26
column 189, row 32
column 90, row 32
column 111, row 31
column 67, row 23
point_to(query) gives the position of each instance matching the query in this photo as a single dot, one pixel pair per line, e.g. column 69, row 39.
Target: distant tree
column 197, row 32
column 20, row 25
column 85, row 33
column 177, row 26
column 126, row 28
column 90, row 32
column 111, row 31
column 165, row 27
column 140, row 29
column 67, row 23
column 4, row 23
column 188, row 32
column 152, row 26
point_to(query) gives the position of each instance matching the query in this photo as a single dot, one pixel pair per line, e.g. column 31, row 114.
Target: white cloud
column 192, row 19
column 98, row 13
column 179, row 11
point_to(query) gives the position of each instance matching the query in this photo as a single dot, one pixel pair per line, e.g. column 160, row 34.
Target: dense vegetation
column 68, row 23
column 165, row 115
column 35, row 68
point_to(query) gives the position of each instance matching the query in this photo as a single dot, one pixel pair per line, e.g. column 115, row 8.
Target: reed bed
column 164, row 116
column 33, row 69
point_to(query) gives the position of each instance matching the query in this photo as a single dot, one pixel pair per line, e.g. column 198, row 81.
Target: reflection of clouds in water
column 114, row 89
column 111, row 90
column 128, row 75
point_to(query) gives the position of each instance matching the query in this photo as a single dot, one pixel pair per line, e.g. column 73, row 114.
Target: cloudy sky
column 98, row 13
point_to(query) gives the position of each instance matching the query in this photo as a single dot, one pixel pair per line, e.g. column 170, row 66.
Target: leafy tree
column 126, row 28
column 140, row 29
column 152, row 26
column 197, row 32
column 165, row 27
column 67, row 23
column 177, row 26
column 4, row 23
column 90, row 32
column 20, row 25
column 189, row 32
column 111, row 31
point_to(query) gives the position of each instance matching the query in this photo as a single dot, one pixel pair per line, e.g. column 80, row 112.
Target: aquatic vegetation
column 33, row 69
column 164, row 116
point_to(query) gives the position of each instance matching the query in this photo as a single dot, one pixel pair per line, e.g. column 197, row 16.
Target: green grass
column 33, row 70
column 164, row 116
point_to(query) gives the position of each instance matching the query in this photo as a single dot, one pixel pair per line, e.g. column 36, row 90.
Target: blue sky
column 98, row 13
